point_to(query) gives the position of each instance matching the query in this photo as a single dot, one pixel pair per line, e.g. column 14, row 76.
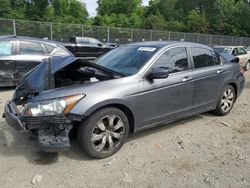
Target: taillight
column 242, row 70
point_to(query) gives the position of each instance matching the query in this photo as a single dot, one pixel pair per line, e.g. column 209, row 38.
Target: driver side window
column 175, row 60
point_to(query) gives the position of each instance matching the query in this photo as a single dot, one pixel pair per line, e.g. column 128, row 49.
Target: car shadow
column 164, row 127
column 13, row 143
column 7, row 88
column 247, row 84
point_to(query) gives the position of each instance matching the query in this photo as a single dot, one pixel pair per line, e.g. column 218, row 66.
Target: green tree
column 197, row 22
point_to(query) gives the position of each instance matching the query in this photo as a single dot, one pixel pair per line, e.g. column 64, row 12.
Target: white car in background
column 239, row 51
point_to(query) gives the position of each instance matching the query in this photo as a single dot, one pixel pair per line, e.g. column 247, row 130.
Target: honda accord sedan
column 129, row 89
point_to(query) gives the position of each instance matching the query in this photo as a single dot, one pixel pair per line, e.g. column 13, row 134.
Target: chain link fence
column 62, row 32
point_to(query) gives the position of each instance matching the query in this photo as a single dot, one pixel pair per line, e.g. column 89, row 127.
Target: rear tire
column 103, row 133
column 226, row 101
column 247, row 66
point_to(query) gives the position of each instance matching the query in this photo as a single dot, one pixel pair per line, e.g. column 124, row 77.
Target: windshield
column 223, row 50
column 126, row 60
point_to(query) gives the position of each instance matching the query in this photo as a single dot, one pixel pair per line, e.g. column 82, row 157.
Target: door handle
column 219, row 71
column 186, row 78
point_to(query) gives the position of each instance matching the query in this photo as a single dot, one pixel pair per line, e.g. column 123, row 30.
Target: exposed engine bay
column 50, row 75
column 79, row 73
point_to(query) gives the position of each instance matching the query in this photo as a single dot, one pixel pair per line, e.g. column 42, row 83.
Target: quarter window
column 202, row 57
column 49, row 48
column 175, row 60
column 5, row 48
column 30, row 48
column 217, row 58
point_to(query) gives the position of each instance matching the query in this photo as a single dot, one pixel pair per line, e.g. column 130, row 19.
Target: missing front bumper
column 52, row 131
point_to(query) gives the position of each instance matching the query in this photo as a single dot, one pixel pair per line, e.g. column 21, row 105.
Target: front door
column 7, row 63
column 165, row 99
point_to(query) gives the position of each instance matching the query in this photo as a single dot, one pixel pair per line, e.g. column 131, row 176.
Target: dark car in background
column 238, row 51
column 87, row 47
column 131, row 88
column 18, row 55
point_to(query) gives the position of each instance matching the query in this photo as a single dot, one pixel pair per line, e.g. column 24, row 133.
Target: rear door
column 7, row 63
column 208, row 77
column 29, row 55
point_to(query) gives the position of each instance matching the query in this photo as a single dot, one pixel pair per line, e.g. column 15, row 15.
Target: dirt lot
column 201, row 151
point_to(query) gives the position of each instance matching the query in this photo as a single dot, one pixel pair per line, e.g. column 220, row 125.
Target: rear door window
column 5, row 48
column 30, row 48
column 202, row 57
column 174, row 59
column 241, row 51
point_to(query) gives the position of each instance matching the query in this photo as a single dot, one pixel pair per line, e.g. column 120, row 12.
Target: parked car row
column 18, row 55
column 243, row 53
column 87, row 47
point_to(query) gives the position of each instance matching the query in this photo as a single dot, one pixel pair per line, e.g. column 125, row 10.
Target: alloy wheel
column 108, row 134
column 227, row 100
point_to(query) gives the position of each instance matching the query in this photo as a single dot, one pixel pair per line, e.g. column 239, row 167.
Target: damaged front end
column 51, row 120
column 50, row 117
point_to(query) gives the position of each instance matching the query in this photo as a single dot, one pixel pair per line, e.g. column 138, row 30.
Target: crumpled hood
column 38, row 79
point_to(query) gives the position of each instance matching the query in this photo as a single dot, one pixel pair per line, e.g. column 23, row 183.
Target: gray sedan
column 129, row 89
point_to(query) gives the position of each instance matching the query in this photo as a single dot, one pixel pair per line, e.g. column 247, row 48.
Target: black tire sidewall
column 86, row 128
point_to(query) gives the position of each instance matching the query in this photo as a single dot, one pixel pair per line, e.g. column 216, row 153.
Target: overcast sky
column 92, row 5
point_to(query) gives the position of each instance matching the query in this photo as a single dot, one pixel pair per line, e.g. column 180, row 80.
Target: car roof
column 161, row 44
column 228, row 46
column 54, row 43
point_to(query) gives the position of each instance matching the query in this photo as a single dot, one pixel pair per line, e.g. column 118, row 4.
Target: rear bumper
column 53, row 131
column 241, row 83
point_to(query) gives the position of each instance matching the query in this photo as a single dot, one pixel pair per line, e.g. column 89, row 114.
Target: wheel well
column 235, row 88
column 126, row 110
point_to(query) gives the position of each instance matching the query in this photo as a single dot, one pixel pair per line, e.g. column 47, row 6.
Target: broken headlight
column 52, row 107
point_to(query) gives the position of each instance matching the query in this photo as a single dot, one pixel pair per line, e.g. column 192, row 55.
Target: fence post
column 169, row 35
column 198, row 37
column 221, row 40
column 51, row 31
column 210, row 40
column 108, row 34
column 151, row 35
column 82, row 30
column 132, row 35
column 241, row 41
column 14, row 27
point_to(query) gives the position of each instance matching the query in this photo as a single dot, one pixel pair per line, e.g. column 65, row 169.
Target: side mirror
column 158, row 73
column 100, row 44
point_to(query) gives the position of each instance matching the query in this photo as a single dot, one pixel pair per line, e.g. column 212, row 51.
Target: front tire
column 226, row 101
column 103, row 133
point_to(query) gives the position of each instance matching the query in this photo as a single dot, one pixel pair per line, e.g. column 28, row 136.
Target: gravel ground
column 201, row 151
